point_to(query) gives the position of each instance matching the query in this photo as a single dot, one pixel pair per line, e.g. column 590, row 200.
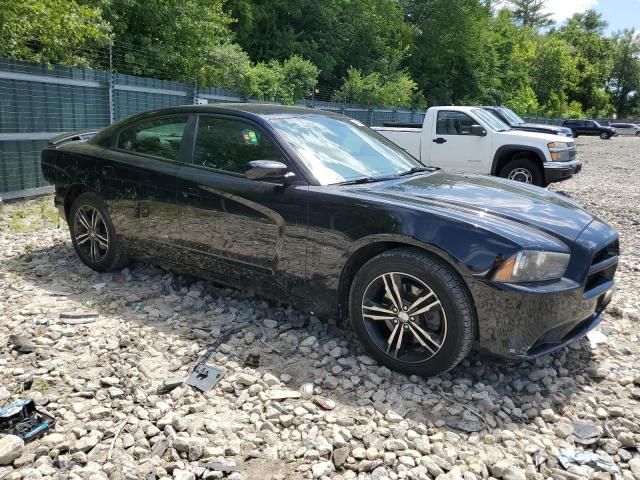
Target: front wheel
column 412, row 313
column 605, row 136
column 523, row 170
column 93, row 235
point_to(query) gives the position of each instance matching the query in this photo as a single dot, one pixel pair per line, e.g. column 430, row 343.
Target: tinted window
column 591, row 124
column 160, row 138
column 454, row 123
column 229, row 145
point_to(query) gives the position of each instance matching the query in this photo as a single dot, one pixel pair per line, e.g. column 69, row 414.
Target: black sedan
column 317, row 210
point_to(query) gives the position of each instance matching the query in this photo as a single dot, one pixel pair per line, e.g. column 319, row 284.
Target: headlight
column 532, row 266
column 560, row 151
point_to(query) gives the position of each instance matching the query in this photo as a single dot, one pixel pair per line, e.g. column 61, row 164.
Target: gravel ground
column 115, row 385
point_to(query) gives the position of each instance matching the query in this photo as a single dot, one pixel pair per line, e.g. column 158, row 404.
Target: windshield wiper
column 415, row 170
column 358, row 181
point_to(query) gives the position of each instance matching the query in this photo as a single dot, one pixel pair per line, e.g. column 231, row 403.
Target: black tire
column 451, row 322
column 575, row 134
column 523, row 170
column 637, row 134
column 109, row 258
column 605, row 136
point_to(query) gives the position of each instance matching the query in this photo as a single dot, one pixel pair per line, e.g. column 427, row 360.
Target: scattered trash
column 23, row 420
column 596, row 338
column 204, row 377
column 99, row 286
column 283, row 394
column 307, row 390
column 218, row 467
column 568, row 457
column 78, row 318
column 169, row 384
column 325, row 403
column 539, row 458
column 22, row 344
column 252, row 360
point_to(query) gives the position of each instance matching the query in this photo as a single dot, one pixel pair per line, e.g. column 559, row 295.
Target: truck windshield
column 338, row 150
column 491, row 121
column 512, row 116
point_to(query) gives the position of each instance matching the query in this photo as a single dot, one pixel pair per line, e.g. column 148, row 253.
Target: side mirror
column 478, row 131
column 268, row 171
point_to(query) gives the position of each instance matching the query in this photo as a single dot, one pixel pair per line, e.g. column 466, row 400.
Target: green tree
column 531, row 13
column 592, row 51
column 370, row 35
column 53, row 32
column 285, row 82
column 169, row 39
column 451, row 58
column 397, row 90
column 624, row 83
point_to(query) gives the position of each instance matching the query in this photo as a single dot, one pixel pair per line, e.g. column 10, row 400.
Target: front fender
column 508, row 150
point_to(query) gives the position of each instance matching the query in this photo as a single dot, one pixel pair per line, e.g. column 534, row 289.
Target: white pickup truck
column 473, row 140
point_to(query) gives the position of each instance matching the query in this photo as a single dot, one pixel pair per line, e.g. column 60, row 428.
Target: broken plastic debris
column 78, row 318
column 568, row 457
column 204, row 377
column 23, row 420
column 306, row 389
column 282, row 394
column 596, row 338
column 325, row 403
column 99, row 286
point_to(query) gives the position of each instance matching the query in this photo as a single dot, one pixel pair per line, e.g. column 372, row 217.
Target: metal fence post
column 112, row 113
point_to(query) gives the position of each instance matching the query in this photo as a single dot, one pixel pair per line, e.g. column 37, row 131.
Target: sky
column 619, row 14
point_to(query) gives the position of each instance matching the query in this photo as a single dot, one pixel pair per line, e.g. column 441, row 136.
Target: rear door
column 454, row 148
column 137, row 179
column 238, row 229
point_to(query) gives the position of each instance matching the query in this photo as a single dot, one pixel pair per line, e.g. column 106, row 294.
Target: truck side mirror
column 478, row 131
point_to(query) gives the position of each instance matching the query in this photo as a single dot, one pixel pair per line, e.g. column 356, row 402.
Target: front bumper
column 558, row 171
column 529, row 320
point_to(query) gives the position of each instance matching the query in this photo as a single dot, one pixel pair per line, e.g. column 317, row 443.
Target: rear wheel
column 523, row 170
column 93, row 234
column 575, row 134
column 605, row 136
column 412, row 313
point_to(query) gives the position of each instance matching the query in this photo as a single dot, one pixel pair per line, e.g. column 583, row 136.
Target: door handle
column 440, row 140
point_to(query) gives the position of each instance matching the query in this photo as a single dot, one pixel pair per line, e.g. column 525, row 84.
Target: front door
column 137, row 180
column 240, row 229
column 453, row 146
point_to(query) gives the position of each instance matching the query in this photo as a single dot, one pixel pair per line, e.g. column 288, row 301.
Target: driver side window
column 454, row 123
column 226, row 144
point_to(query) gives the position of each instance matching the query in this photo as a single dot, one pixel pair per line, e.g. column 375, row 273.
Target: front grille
column 603, row 267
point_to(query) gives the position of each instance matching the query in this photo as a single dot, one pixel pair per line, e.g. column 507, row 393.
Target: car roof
column 259, row 109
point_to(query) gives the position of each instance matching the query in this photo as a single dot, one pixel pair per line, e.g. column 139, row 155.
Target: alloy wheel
column 521, row 175
column 404, row 317
column 91, row 234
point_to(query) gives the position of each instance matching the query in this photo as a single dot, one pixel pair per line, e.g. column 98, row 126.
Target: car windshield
column 493, row 122
column 512, row 116
column 337, row 150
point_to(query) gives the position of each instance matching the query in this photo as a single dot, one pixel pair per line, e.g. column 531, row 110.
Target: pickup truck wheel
column 412, row 313
column 575, row 134
column 93, row 235
column 523, row 170
column 605, row 136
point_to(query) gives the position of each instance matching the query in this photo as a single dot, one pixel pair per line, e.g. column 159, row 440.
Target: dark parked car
column 512, row 119
column 589, row 128
column 319, row 211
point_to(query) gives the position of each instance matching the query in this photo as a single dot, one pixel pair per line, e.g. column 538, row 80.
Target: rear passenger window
column 454, row 123
column 229, row 145
column 158, row 138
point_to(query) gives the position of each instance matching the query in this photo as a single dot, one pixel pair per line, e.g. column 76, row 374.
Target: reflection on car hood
column 524, row 204
column 554, row 128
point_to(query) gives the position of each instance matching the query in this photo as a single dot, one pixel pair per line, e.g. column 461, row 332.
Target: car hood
column 485, row 196
column 532, row 136
column 553, row 128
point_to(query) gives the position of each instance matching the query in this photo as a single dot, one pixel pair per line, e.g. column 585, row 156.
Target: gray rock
column 11, row 447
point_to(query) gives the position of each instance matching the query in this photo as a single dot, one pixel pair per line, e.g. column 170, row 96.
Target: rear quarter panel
column 69, row 164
